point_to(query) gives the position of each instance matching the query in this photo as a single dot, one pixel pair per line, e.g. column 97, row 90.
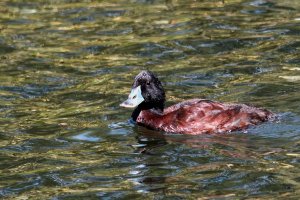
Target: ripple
column 87, row 136
column 293, row 47
column 32, row 90
column 115, row 32
column 94, row 49
column 4, row 48
column 30, row 182
column 215, row 47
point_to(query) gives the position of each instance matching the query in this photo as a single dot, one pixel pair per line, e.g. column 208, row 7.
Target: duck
column 193, row 117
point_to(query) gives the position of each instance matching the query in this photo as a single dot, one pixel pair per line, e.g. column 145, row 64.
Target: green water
column 67, row 65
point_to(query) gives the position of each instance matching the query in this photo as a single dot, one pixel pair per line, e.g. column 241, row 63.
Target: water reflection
column 215, row 161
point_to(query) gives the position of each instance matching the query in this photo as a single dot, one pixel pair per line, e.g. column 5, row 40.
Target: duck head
column 147, row 93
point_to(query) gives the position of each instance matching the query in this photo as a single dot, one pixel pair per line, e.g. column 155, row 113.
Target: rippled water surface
column 66, row 66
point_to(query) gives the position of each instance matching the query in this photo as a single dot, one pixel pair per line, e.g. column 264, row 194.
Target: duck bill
column 134, row 99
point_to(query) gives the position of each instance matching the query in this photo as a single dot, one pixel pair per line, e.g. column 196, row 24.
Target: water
column 67, row 65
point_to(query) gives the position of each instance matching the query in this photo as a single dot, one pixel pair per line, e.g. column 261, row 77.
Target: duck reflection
column 195, row 161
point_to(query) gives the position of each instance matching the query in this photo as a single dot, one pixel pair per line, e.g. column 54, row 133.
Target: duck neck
column 157, row 110
column 136, row 113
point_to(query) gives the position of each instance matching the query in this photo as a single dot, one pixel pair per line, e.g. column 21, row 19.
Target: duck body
column 196, row 116
column 199, row 116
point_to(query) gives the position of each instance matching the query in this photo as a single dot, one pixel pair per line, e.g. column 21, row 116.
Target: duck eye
column 134, row 97
column 148, row 83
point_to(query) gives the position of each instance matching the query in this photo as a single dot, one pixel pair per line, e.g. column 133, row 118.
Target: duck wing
column 199, row 116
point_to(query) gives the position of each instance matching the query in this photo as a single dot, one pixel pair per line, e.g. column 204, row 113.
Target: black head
column 147, row 92
column 152, row 89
